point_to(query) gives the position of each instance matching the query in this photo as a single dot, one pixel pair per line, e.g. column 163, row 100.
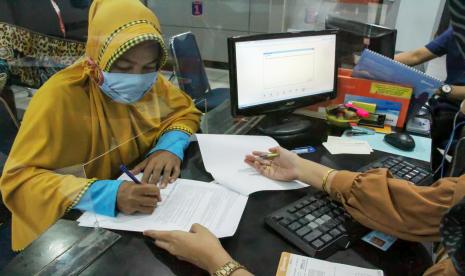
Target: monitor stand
column 285, row 126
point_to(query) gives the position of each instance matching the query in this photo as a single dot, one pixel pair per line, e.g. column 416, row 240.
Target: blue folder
column 378, row 67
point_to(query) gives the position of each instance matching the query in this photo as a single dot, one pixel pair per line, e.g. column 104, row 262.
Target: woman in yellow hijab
column 109, row 108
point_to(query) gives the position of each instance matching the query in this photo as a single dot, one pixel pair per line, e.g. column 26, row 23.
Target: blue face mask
column 127, row 88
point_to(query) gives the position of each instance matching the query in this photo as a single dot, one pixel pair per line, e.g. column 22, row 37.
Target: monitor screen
column 281, row 71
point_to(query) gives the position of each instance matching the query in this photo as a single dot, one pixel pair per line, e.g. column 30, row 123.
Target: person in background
column 111, row 107
column 446, row 103
column 444, row 44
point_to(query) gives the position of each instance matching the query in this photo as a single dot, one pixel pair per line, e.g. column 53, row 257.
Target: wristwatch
column 228, row 268
column 445, row 90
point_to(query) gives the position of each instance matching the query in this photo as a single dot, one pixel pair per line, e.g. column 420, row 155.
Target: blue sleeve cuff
column 174, row 141
column 100, row 198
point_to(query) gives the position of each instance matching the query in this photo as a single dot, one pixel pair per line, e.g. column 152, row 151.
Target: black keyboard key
column 277, row 218
column 317, row 213
column 310, row 217
column 319, row 221
column 311, row 208
column 285, row 221
column 332, row 223
column 293, row 217
column 312, row 235
column 307, row 209
column 335, row 232
column 324, row 210
column 324, row 228
column 303, row 221
column 317, row 244
column 338, row 211
column 294, row 226
column 416, row 179
column 326, row 238
column 313, row 225
column 300, row 213
column 292, row 209
column 303, row 231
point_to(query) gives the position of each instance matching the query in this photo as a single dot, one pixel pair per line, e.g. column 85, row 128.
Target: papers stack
column 340, row 145
column 184, row 203
column 217, row 205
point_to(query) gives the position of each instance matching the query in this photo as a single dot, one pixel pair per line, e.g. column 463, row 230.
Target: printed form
column 184, row 203
column 296, row 265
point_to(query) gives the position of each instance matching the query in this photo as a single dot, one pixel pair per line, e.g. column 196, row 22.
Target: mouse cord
column 449, row 144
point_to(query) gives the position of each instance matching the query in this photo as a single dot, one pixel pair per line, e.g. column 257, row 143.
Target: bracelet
column 228, row 268
column 325, row 180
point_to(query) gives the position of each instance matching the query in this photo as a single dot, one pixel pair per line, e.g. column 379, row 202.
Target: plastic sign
column 197, row 8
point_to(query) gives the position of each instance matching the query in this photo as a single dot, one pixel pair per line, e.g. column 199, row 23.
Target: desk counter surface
column 254, row 245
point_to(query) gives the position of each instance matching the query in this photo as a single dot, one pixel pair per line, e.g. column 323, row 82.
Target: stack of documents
column 217, row 205
column 184, row 203
column 340, row 145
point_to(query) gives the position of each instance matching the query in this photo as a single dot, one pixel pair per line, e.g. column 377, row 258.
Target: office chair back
column 9, row 129
column 189, row 68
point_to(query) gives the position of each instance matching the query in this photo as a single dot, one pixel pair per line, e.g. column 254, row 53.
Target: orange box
column 369, row 88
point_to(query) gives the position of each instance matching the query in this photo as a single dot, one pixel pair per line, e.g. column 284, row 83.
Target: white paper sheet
column 339, row 145
column 185, row 202
column 296, row 265
column 223, row 156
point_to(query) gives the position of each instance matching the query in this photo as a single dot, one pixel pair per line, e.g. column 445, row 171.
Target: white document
column 296, row 265
column 184, row 203
column 339, row 145
column 223, row 156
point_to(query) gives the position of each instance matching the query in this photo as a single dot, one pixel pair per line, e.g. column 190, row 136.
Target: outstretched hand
column 284, row 167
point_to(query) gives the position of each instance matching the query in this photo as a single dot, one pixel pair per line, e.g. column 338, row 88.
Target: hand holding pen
column 134, row 196
column 278, row 163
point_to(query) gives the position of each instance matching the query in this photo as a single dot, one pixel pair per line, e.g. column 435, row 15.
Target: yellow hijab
column 73, row 134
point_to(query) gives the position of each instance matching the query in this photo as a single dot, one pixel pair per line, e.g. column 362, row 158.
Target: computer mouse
column 402, row 141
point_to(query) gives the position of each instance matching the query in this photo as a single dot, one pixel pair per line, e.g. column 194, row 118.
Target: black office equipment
column 355, row 36
column 401, row 168
column 316, row 224
column 274, row 74
column 320, row 226
column 402, row 141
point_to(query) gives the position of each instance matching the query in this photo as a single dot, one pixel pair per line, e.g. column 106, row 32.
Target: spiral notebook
column 375, row 66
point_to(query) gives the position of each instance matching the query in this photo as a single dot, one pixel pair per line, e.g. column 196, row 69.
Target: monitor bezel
column 283, row 105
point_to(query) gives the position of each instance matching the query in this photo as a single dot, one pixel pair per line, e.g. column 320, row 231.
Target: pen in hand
column 269, row 156
column 125, row 170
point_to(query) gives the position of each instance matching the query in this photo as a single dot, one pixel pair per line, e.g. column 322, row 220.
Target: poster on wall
column 197, row 8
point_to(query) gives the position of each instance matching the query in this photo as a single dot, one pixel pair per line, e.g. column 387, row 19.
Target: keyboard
column 320, row 226
column 403, row 169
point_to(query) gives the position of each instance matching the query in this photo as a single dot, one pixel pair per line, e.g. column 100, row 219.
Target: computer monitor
column 274, row 74
column 356, row 36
